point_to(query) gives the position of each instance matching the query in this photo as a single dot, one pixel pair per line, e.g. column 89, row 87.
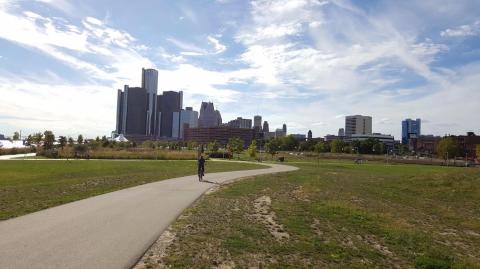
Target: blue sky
column 307, row 63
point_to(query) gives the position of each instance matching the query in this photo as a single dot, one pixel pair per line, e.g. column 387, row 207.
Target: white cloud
column 472, row 29
column 219, row 48
column 63, row 5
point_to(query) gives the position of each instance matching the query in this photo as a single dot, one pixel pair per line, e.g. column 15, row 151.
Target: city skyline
column 291, row 62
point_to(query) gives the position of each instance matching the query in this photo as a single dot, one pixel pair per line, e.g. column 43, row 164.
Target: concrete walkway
column 106, row 231
column 17, row 156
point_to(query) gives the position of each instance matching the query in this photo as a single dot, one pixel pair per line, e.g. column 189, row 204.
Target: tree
column 272, row 146
column 447, row 148
column 80, row 139
column 105, row 142
column 49, row 140
column 379, row 148
column 288, row 143
column 29, row 140
column 235, row 145
column 213, row 147
column 62, row 140
column 16, row 136
column 70, row 141
column 252, row 149
column 337, row 146
column 37, row 138
column 478, row 152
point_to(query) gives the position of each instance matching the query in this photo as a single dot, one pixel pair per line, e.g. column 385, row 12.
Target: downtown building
column 410, row 129
column 358, row 124
column 240, row 123
column 143, row 114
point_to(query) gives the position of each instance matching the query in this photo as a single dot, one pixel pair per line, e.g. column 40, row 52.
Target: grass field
column 335, row 215
column 28, row 186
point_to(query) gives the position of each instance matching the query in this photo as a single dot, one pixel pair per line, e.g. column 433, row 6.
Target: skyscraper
column 188, row 119
column 358, row 124
column 284, row 128
column 257, row 122
column 142, row 112
column 131, row 111
column 410, row 128
column 150, row 84
column 170, row 102
column 266, row 128
column 309, row 135
column 209, row 117
column 341, row 132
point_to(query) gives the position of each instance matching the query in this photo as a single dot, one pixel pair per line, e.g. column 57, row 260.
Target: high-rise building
column 266, row 128
column 209, row 117
column 410, row 128
column 309, row 135
column 257, row 122
column 142, row 112
column 131, row 111
column 341, row 132
column 240, row 123
column 284, row 128
column 150, row 84
column 358, row 124
column 188, row 119
column 169, row 102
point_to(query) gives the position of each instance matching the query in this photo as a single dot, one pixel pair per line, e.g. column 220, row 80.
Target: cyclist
column 201, row 168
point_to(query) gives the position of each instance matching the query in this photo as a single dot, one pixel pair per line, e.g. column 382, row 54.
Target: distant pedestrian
column 201, row 168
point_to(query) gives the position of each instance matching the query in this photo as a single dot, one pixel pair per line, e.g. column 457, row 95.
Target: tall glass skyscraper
column 150, row 83
column 410, row 128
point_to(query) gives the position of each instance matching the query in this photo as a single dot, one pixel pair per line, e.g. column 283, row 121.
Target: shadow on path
column 211, row 182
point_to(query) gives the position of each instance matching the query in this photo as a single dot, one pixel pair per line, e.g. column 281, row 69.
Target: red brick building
column 219, row 134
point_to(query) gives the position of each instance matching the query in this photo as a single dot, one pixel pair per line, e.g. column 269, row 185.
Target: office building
column 240, row 123
column 209, row 117
column 299, row 137
column 2, row 137
column 387, row 140
column 280, row 133
column 188, row 119
column 257, row 122
column 424, row 144
column 284, row 128
column 310, row 135
column 169, row 103
column 341, row 132
column 358, row 124
column 410, row 128
column 266, row 127
column 219, row 134
column 150, row 84
column 132, row 111
column 143, row 114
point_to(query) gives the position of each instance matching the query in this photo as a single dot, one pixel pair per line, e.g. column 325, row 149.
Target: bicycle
column 201, row 173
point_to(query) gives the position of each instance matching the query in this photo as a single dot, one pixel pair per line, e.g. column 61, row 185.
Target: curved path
column 112, row 230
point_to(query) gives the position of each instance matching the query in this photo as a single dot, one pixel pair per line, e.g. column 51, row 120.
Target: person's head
column 201, row 156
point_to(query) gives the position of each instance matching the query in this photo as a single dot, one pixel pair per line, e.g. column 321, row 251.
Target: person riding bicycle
column 201, row 168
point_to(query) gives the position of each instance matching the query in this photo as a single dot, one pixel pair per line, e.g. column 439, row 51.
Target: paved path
column 16, row 156
column 106, row 231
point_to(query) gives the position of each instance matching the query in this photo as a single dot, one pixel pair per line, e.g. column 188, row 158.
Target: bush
column 220, row 155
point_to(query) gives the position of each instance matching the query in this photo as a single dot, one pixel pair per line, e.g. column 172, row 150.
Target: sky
column 306, row 63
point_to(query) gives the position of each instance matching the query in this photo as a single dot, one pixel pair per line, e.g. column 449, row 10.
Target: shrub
column 221, row 155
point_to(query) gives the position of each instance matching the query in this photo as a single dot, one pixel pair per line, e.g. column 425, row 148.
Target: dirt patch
column 153, row 257
column 264, row 214
column 299, row 194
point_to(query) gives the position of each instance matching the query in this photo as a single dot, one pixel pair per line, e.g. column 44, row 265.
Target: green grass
column 28, row 186
column 339, row 215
